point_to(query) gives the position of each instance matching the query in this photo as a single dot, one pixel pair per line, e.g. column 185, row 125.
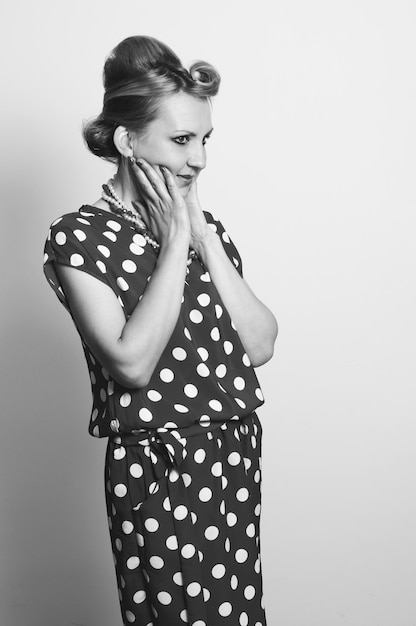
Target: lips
column 188, row 178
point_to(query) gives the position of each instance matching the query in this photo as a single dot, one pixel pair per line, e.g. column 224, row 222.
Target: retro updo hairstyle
column 138, row 73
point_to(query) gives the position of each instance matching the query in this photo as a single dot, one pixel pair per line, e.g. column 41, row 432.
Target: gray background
column 311, row 169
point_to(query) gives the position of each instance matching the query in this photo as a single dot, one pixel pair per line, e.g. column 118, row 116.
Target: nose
column 197, row 158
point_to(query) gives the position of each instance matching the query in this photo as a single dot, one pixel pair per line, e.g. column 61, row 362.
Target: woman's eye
column 182, row 140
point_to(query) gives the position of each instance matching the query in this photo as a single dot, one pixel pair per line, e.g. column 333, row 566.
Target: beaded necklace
column 118, row 207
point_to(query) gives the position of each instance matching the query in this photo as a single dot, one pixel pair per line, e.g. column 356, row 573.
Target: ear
column 122, row 141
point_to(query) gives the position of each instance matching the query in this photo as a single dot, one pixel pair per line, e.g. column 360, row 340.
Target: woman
column 171, row 333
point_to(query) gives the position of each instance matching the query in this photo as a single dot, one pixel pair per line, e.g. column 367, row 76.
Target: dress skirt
column 184, row 527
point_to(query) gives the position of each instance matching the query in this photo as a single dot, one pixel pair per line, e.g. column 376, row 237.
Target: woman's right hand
column 160, row 203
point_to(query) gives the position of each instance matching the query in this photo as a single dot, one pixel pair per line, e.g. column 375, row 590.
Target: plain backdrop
column 311, row 169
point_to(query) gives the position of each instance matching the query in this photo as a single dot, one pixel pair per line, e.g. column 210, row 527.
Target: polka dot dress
column 183, row 468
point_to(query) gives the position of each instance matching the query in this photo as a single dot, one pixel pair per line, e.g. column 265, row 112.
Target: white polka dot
column 218, row 571
column 215, row 334
column 103, row 250
column 259, row 394
column 130, row 617
column 60, row 238
column 200, row 455
column 122, row 284
column 127, row 527
column 125, row 399
column 172, row 542
column 190, row 390
column 180, row 512
column 246, row 360
column 187, row 334
column 119, row 544
column 135, row 249
column 250, row 530
column 114, row 225
column 234, row 458
column 249, row 592
column 140, row 540
column 136, row 470
column 151, row 524
column 167, row 375
column 129, row 266
column 244, row 619
column 101, row 266
column 203, row 370
column 207, row 594
column 203, row 353
column 179, row 354
column 204, row 299
column 257, row 510
column 188, row 551
column 145, row 415
column 178, row 579
column 196, row 316
column 205, row 494
column 139, row 597
column 199, row 622
column 120, row 490
column 139, row 239
column 193, row 589
column 133, row 562
column 153, row 395
column 181, row 408
column 166, row 504
column 119, row 453
column 221, row 371
column 239, row 383
column 241, row 555
column 111, row 236
column 186, row 479
column 184, row 616
column 80, row 235
column 76, row 260
column 156, row 562
column 242, row 494
column 218, row 311
column 228, row 347
column 257, row 566
column 216, row 469
column 231, row 519
column 211, row 533
column 215, row 405
column 225, row 609
column 234, row 582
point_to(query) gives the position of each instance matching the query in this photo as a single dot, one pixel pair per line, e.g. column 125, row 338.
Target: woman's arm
column 255, row 323
column 130, row 350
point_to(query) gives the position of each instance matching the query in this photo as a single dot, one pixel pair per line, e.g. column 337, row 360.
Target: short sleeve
column 226, row 241
column 71, row 242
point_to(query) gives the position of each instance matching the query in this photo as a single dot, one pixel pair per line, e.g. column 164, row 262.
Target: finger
column 170, row 182
column 152, row 179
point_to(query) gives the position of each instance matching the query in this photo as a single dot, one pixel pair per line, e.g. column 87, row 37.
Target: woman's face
column 176, row 138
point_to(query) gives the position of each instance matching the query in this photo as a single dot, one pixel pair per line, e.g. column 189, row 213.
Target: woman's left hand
column 200, row 231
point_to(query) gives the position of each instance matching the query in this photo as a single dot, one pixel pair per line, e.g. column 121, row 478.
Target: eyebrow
column 191, row 134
